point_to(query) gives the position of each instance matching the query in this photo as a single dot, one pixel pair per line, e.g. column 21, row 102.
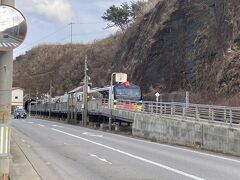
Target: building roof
column 78, row 89
column 14, row 88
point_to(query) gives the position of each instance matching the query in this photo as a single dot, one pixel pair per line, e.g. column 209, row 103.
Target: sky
column 49, row 21
column 9, row 17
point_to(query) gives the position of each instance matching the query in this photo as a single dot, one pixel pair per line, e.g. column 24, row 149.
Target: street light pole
column 71, row 24
column 111, row 101
column 6, row 75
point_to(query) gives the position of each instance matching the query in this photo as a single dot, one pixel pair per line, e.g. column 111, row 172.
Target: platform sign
column 121, row 77
column 13, row 28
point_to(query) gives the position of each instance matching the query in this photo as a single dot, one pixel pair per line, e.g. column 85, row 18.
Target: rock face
column 182, row 44
column 179, row 45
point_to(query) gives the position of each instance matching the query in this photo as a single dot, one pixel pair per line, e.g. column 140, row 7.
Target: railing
column 196, row 112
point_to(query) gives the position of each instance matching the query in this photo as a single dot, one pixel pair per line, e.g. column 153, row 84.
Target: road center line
column 101, row 159
column 41, row 125
column 57, row 126
column 132, row 155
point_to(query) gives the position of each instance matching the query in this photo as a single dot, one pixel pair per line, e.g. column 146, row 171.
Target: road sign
column 121, row 77
column 157, row 96
column 14, row 29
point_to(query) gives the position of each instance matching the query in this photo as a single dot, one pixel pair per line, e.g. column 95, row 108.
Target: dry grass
column 150, row 5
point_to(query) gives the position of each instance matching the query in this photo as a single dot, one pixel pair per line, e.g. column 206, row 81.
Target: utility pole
column 71, row 24
column 50, row 100
column 85, row 94
column 6, row 75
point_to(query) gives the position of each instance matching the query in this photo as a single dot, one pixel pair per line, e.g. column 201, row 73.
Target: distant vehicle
column 20, row 113
column 5, row 36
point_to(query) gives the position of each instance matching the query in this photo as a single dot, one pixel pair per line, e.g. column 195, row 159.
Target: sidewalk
column 21, row 168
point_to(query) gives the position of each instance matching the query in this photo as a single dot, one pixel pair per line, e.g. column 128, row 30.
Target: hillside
column 178, row 45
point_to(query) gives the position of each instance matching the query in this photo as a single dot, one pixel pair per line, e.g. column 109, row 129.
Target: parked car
column 20, row 113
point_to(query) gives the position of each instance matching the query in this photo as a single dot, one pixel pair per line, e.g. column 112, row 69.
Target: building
column 17, row 98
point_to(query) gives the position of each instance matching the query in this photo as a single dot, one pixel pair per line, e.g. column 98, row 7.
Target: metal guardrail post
column 174, row 109
column 209, row 113
column 197, row 113
column 183, row 110
column 230, row 114
column 225, row 115
column 161, row 108
column 212, row 114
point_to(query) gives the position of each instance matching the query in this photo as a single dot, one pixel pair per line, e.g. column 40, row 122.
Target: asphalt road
column 61, row 151
column 7, row 43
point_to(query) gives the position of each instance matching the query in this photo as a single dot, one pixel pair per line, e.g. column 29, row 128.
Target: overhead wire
column 55, row 32
column 44, row 37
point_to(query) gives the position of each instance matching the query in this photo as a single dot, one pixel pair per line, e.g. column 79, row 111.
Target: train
column 121, row 92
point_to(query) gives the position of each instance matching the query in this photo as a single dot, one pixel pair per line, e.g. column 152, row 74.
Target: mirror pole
column 6, row 78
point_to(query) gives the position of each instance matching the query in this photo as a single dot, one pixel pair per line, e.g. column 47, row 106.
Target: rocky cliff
column 179, row 45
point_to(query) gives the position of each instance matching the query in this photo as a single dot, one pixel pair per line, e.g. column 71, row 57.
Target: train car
column 123, row 93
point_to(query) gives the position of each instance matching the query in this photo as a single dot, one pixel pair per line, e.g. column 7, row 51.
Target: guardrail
column 196, row 112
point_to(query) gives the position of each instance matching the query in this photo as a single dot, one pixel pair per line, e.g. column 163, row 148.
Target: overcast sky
column 9, row 17
column 48, row 21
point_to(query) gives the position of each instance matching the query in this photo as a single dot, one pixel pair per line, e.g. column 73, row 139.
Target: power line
column 45, row 37
column 62, row 28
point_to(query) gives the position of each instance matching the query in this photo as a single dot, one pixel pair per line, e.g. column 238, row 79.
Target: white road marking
column 187, row 150
column 41, row 125
column 133, row 156
column 9, row 44
column 5, row 44
column 31, row 122
column 91, row 134
column 57, row 126
column 23, row 140
column 171, row 146
column 101, row 159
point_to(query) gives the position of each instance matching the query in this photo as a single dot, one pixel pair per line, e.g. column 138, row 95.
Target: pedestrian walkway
column 21, row 168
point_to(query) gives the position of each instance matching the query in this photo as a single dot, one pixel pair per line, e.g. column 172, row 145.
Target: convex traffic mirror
column 13, row 28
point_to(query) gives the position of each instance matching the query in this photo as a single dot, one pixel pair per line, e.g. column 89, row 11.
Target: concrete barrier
column 207, row 136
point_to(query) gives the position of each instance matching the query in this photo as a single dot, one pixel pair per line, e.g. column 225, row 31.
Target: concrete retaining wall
column 179, row 131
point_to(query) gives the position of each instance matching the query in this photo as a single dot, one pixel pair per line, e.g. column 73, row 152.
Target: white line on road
column 170, row 146
column 5, row 44
column 41, row 125
column 91, row 134
column 133, row 156
column 101, row 159
column 57, row 126
column 31, row 122
column 187, row 150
